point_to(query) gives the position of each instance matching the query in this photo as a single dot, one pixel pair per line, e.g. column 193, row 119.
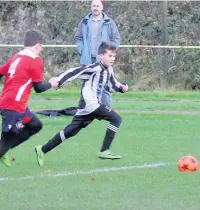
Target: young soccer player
column 99, row 76
column 22, row 72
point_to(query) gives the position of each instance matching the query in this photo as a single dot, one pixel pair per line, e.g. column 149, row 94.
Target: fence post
column 164, row 69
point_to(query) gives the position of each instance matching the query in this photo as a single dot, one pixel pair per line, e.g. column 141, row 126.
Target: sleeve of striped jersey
column 114, row 85
column 75, row 73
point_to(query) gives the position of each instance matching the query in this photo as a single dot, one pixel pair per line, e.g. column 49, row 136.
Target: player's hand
column 124, row 88
column 54, row 82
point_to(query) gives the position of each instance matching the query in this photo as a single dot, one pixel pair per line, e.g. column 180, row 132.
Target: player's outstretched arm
column 40, row 87
column 115, row 86
column 54, row 82
column 124, row 87
column 74, row 73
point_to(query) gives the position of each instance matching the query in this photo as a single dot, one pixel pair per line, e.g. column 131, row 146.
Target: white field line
column 84, row 172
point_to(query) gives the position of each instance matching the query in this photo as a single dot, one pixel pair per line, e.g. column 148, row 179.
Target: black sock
column 108, row 139
column 52, row 143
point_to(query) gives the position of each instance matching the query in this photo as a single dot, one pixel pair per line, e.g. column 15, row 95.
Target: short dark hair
column 33, row 37
column 104, row 46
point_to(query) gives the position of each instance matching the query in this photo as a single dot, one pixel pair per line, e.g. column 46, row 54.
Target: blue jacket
column 108, row 32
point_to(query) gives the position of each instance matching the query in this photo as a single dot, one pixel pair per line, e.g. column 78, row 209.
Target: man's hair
column 104, row 46
column 99, row 2
column 33, row 37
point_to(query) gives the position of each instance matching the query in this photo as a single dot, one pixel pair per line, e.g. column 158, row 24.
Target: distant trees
column 139, row 23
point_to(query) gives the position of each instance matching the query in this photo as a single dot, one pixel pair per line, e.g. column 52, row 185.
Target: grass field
column 145, row 178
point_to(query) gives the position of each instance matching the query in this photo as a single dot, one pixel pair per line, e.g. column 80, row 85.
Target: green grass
column 142, row 139
column 155, row 95
column 121, row 104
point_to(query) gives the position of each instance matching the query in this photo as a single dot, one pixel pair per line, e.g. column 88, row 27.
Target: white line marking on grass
column 83, row 172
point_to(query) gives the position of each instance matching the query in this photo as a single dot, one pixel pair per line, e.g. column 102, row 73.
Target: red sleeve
column 4, row 68
column 36, row 72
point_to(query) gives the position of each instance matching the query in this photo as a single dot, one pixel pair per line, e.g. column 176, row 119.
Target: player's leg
column 9, row 130
column 5, row 144
column 72, row 129
column 16, row 128
column 106, row 113
column 32, row 125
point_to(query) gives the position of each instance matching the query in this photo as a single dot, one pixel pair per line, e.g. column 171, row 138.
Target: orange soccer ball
column 188, row 164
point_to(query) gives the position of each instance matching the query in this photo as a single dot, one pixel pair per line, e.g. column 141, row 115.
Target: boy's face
column 108, row 58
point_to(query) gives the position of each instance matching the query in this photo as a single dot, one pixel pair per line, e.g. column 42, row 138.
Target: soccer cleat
column 40, row 155
column 5, row 160
column 107, row 154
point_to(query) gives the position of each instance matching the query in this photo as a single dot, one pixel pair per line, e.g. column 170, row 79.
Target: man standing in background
column 96, row 27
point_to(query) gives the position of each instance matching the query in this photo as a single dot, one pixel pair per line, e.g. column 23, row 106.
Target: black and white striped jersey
column 96, row 79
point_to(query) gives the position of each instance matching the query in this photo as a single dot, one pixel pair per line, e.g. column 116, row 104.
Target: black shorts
column 101, row 113
column 15, row 121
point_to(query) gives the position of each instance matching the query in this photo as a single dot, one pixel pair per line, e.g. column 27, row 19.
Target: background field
column 145, row 178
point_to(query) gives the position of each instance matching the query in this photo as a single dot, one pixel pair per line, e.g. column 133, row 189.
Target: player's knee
column 38, row 126
column 70, row 131
column 35, row 124
column 117, row 120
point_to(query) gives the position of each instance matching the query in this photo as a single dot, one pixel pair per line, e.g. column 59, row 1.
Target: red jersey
column 20, row 72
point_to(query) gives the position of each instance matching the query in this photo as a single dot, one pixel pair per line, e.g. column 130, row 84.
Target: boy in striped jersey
column 97, row 77
column 22, row 72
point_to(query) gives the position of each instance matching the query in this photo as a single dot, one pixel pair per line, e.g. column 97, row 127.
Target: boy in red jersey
column 22, row 72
